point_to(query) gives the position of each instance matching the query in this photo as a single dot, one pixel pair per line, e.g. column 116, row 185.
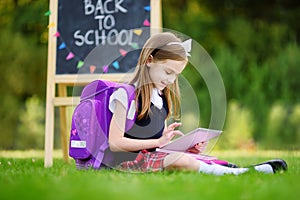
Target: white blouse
column 121, row 96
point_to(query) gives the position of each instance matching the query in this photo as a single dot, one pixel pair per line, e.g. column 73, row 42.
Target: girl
column 162, row 59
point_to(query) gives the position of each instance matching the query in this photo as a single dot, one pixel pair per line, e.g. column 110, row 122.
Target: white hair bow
column 187, row 45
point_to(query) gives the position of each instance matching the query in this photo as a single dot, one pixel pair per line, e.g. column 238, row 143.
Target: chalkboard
column 86, row 24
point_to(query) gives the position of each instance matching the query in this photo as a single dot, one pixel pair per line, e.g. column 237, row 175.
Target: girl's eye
column 168, row 72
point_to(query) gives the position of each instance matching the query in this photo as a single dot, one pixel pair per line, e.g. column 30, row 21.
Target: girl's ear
column 149, row 60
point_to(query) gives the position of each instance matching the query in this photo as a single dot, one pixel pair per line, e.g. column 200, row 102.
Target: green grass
column 22, row 176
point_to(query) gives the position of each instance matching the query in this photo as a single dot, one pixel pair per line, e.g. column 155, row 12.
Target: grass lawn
column 22, row 176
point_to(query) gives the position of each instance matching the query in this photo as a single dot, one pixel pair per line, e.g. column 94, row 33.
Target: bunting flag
column 57, row 34
column 116, row 65
column 70, row 56
column 51, row 25
column 48, row 13
column 80, row 64
column 146, row 23
column 92, row 69
column 138, row 31
column 123, row 52
column 147, row 8
column 62, row 46
column 105, row 69
column 135, row 45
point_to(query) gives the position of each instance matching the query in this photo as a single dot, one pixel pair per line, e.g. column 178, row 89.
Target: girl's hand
column 198, row 148
column 169, row 134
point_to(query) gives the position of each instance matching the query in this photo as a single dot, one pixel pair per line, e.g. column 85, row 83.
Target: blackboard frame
column 62, row 81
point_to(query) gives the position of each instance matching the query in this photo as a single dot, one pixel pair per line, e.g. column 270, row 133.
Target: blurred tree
column 270, row 11
column 31, row 128
column 254, row 44
column 23, row 62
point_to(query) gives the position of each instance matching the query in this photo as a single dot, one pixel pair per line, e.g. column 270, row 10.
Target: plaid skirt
column 145, row 162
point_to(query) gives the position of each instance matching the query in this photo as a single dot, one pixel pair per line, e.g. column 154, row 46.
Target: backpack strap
column 100, row 155
column 131, row 104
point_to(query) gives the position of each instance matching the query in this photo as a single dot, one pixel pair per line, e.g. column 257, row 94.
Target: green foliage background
column 255, row 45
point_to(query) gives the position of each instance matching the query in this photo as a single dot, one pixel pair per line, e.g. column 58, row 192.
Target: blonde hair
column 158, row 47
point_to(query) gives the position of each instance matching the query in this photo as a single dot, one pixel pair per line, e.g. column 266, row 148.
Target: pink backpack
column 90, row 124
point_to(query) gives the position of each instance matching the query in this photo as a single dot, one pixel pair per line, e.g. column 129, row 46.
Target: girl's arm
column 118, row 142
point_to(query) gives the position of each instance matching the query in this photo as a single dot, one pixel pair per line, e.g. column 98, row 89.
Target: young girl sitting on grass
column 162, row 59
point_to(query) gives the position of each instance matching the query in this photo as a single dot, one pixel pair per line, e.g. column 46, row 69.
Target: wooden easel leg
column 62, row 92
column 49, row 134
column 49, row 125
column 156, row 17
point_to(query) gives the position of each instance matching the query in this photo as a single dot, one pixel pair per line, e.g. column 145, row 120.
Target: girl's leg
column 180, row 161
column 183, row 161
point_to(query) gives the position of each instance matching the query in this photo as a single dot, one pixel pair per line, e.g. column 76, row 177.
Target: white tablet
column 190, row 139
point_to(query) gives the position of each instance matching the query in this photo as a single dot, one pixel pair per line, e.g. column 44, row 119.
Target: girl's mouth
column 164, row 84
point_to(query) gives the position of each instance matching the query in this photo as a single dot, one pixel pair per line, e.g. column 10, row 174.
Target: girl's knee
column 179, row 161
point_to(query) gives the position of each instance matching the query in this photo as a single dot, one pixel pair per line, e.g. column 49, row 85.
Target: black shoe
column 278, row 165
column 231, row 165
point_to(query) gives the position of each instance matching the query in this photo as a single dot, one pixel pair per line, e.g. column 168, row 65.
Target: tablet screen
column 190, row 139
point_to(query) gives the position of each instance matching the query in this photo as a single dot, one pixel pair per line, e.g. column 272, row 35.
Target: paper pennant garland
column 57, row 34
column 62, row 46
column 147, row 8
column 48, row 13
column 105, row 69
column 138, row 31
column 70, row 56
column 146, row 23
column 92, row 69
column 123, row 52
column 116, row 65
column 51, row 25
column 135, row 45
column 80, row 64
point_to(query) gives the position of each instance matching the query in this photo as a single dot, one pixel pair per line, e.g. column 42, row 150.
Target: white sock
column 219, row 169
column 266, row 168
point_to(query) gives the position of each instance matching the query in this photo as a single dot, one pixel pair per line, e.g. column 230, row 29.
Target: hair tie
column 187, row 45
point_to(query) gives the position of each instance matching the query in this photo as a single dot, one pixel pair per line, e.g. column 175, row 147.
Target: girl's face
column 164, row 73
